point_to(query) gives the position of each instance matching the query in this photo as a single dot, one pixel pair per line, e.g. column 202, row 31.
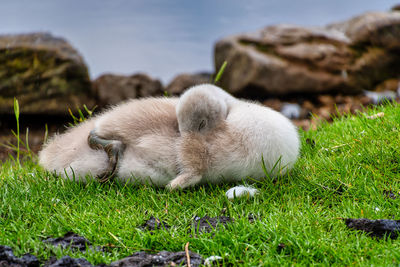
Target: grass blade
column 220, row 72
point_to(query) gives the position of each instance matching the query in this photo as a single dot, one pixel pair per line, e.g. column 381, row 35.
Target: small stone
column 308, row 105
column 212, row 260
column 380, row 97
column 326, row 99
column 291, row 111
column 241, row 191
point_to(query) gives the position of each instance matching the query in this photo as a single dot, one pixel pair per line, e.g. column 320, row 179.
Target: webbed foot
column 114, row 150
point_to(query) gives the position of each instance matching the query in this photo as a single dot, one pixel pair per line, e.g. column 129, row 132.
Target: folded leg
column 183, row 181
column 114, row 150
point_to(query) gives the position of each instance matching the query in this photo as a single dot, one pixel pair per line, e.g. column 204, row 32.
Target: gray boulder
column 45, row 74
column 112, row 89
column 346, row 57
column 183, row 81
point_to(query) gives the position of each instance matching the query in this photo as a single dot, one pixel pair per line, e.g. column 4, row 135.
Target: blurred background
column 309, row 59
column 164, row 38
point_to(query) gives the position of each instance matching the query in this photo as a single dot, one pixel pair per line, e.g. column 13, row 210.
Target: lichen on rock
column 45, row 74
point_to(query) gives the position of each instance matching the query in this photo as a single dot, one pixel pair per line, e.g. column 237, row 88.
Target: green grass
column 344, row 175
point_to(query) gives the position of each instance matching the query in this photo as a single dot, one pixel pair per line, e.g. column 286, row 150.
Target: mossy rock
column 45, row 74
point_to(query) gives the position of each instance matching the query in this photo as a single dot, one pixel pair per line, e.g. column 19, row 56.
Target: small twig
column 187, row 254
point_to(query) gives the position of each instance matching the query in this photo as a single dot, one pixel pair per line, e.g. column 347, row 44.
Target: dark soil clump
column 207, row 224
column 280, row 247
column 163, row 258
column 141, row 258
column 70, row 240
column 390, row 194
column 376, row 228
column 252, row 218
column 154, row 224
column 7, row 258
column 67, row 261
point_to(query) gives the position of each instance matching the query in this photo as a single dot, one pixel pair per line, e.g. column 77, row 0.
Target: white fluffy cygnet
column 205, row 136
column 223, row 139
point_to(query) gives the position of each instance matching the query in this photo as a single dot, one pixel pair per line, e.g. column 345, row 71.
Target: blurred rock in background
column 45, row 74
column 183, row 81
column 346, row 57
column 111, row 89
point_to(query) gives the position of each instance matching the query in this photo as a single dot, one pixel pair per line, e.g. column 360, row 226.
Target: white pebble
column 291, row 111
column 240, row 191
column 380, row 97
column 209, row 260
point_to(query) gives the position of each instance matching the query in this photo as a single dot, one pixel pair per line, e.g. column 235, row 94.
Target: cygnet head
column 201, row 109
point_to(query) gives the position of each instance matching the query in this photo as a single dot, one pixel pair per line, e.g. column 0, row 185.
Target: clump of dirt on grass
column 376, row 228
column 163, row 258
column 154, row 224
column 67, row 261
column 74, row 241
column 390, row 194
column 70, row 240
column 7, row 258
column 207, row 224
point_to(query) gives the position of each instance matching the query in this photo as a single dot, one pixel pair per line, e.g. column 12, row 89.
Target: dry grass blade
column 187, row 254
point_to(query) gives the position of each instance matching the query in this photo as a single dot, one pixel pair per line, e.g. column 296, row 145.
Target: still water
column 164, row 37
